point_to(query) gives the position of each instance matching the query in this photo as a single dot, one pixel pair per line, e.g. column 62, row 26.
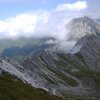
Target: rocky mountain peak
column 82, row 26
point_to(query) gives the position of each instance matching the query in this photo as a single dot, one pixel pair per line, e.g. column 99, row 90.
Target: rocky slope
column 76, row 73
column 88, row 48
column 12, row 88
column 60, row 71
column 82, row 26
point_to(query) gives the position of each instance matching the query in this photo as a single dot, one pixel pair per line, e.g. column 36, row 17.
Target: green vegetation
column 89, row 73
column 76, row 97
column 14, row 89
column 60, row 74
column 20, row 58
column 62, row 65
column 21, row 42
column 72, row 62
column 80, row 57
column 11, row 88
column 49, row 80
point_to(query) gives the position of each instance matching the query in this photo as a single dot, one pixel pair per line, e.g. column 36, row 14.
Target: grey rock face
column 82, row 26
column 89, row 50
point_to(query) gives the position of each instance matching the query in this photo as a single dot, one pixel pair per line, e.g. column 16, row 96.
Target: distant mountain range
column 74, row 75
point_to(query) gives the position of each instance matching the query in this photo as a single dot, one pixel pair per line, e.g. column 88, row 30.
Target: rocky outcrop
column 88, row 48
column 82, row 26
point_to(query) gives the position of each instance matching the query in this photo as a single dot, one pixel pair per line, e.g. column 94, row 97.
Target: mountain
column 66, row 75
column 12, row 88
column 82, row 26
column 20, row 43
column 97, row 20
column 89, row 49
column 78, row 27
column 26, row 50
column 14, row 83
column 62, row 70
column 62, row 66
column 20, row 48
column 71, row 75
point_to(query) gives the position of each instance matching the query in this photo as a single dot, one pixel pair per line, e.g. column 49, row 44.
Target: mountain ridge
column 76, row 72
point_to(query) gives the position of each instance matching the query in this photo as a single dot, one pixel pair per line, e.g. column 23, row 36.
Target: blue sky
column 9, row 8
column 42, row 18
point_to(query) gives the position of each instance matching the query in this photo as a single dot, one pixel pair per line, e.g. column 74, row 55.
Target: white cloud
column 77, row 6
column 39, row 23
column 18, row 26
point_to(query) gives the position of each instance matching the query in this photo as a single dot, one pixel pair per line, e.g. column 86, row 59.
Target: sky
column 42, row 18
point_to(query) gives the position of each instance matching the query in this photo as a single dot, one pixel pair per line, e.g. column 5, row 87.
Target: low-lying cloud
column 42, row 23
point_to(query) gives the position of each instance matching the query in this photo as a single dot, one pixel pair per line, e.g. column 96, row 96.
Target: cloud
column 77, row 6
column 20, row 25
column 40, row 23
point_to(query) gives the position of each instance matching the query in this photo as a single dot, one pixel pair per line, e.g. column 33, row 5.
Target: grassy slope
column 6, row 43
column 11, row 89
